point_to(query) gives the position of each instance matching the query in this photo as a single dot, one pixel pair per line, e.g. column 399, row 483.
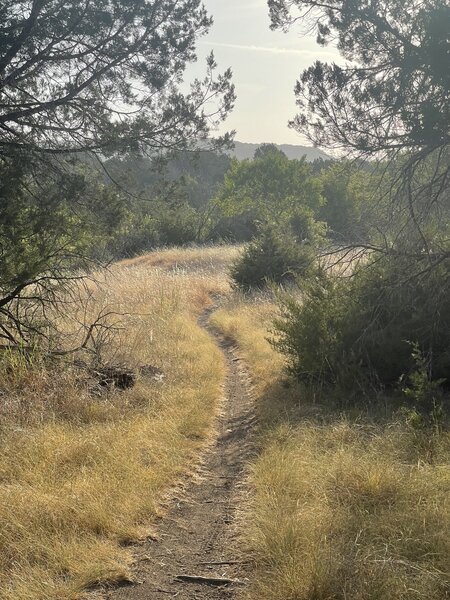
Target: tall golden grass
column 342, row 505
column 209, row 259
column 80, row 475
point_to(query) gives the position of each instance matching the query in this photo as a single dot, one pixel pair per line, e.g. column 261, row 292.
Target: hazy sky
column 265, row 64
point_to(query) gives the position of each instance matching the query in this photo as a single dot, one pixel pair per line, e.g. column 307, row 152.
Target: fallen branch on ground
column 217, row 581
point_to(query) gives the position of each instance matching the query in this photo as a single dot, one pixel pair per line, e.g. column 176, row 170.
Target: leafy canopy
column 389, row 101
column 104, row 75
column 271, row 187
column 81, row 81
column 350, row 192
column 393, row 91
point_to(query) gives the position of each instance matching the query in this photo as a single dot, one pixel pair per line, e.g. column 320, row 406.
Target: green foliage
column 203, row 173
column 307, row 331
column 238, row 228
column 358, row 332
column 349, row 190
column 53, row 224
column 174, row 199
column 171, row 201
column 267, row 149
column 425, row 393
column 156, row 226
column 274, row 256
column 196, row 175
column 48, row 231
column 282, row 196
column 271, row 187
column 81, row 81
column 393, row 90
column 138, row 234
column 178, row 226
column 105, row 76
column 389, row 101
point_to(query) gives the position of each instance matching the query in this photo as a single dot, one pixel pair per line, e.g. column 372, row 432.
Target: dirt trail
column 196, row 537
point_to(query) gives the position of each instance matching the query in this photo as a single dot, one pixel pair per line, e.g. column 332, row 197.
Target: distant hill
column 244, row 150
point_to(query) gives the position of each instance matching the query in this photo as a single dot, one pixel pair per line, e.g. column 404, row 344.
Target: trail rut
column 197, row 535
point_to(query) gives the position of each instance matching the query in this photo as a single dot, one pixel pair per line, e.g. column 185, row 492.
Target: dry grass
column 248, row 321
column 210, row 259
column 82, row 475
column 341, row 506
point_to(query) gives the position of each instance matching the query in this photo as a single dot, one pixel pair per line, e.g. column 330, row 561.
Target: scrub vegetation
column 84, row 469
column 344, row 502
column 331, row 277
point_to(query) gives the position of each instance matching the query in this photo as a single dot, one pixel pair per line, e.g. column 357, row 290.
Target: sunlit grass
column 210, row 259
column 341, row 505
column 82, row 475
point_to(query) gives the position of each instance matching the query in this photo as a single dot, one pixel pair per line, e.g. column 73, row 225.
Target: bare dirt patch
column 195, row 555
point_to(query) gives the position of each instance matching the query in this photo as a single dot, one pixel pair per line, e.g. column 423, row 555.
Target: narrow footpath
column 194, row 557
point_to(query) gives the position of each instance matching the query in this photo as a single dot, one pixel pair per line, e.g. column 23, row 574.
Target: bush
column 178, row 226
column 272, row 257
column 171, row 227
column 306, row 331
column 138, row 237
column 238, row 228
column 360, row 330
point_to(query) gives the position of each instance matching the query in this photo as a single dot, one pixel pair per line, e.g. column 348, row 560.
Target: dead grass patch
column 209, row 259
column 81, row 476
column 342, row 505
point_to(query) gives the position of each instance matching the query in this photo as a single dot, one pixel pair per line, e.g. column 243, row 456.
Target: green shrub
column 307, row 331
column 138, row 237
column 174, row 226
column 427, row 394
column 274, row 256
column 358, row 331
column 178, row 226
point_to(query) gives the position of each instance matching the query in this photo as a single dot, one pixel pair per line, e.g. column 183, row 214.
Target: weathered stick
column 208, row 580
column 221, row 562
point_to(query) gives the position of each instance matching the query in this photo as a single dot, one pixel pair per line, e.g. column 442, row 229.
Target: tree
column 393, row 91
column 179, row 187
column 282, row 197
column 81, row 76
column 389, row 101
column 50, row 230
column 348, row 189
column 81, row 81
column 266, row 149
column 275, row 256
column 271, row 188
